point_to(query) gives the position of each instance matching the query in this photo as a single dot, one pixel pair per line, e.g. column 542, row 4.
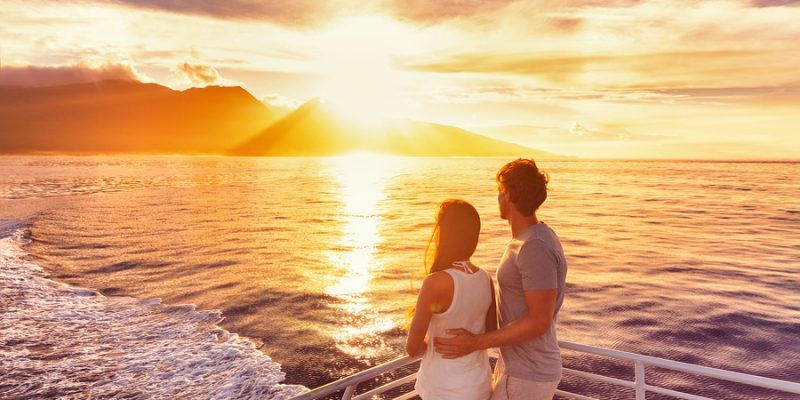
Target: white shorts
column 506, row 387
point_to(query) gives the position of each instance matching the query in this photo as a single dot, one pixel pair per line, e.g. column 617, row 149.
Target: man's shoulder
column 536, row 244
column 539, row 251
column 544, row 237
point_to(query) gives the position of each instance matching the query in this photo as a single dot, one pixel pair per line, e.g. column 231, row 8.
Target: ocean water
column 306, row 266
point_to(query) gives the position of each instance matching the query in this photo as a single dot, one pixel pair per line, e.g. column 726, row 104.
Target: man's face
column 503, row 204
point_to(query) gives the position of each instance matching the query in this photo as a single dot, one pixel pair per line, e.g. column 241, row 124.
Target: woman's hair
column 455, row 235
column 525, row 184
column 454, row 238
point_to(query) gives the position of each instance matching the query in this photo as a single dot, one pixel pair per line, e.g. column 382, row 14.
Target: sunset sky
column 590, row 78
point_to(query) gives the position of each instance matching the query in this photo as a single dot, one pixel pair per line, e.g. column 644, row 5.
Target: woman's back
column 467, row 377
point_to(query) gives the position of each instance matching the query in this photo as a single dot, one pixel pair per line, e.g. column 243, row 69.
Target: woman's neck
column 464, row 265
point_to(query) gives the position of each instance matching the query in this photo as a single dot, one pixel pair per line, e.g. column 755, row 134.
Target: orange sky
column 624, row 78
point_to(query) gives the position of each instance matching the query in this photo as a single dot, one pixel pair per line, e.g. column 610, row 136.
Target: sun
column 355, row 60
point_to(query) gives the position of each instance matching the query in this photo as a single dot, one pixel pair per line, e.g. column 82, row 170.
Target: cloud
column 608, row 132
column 623, row 71
column 435, row 11
column 311, row 12
column 199, row 74
column 586, row 139
column 286, row 12
column 280, row 101
column 279, row 104
column 425, row 11
column 577, row 133
column 757, row 94
column 33, row 75
column 526, row 63
column 565, row 24
column 555, row 68
column 603, row 3
column 775, row 3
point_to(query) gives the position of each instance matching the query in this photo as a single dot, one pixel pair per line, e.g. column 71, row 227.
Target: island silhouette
column 136, row 117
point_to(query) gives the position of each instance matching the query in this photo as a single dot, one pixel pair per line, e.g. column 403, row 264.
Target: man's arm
column 537, row 266
column 537, row 322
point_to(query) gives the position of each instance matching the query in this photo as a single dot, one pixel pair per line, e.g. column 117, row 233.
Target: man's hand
column 463, row 343
column 536, row 323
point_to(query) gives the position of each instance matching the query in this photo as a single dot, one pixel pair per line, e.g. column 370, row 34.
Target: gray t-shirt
column 534, row 260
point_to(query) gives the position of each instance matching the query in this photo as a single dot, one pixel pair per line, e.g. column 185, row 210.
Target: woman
column 454, row 294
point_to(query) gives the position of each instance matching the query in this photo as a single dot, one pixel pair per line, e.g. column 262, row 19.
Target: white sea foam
column 58, row 341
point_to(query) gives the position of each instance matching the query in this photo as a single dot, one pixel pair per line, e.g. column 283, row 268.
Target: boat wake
column 61, row 341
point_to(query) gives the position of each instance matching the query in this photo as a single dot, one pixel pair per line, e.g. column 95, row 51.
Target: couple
column 456, row 318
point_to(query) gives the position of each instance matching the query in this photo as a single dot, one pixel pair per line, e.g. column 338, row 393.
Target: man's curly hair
column 525, row 184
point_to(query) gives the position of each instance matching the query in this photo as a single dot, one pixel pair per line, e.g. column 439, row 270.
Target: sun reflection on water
column 362, row 179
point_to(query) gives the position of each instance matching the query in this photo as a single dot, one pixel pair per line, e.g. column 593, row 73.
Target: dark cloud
column 775, row 3
column 763, row 95
column 604, row 3
column 287, row 12
column 434, row 11
column 310, row 12
column 32, row 75
column 718, row 92
column 564, row 24
column 202, row 74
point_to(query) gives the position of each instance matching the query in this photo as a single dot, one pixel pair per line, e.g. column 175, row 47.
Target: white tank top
column 467, row 377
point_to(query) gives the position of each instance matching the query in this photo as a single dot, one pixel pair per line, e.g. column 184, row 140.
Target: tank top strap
column 457, row 276
column 464, row 265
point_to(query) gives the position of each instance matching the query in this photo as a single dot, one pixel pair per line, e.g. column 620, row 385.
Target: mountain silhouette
column 135, row 117
column 315, row 130
column 127, row 116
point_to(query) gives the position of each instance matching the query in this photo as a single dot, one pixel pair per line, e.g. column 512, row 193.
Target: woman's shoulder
column 440, row 282
column 438, row 278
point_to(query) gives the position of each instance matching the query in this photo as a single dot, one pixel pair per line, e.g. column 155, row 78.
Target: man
column 531, row 279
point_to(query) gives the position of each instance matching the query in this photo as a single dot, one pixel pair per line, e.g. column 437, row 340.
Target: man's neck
column 519, row 223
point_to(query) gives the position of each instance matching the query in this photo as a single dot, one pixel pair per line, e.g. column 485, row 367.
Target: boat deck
column 395, row 378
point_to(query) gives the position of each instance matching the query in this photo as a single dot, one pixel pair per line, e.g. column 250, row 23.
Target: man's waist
column 540, row 366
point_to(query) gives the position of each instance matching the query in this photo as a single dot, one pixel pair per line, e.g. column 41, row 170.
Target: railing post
column 348, row 393
column 639, row 381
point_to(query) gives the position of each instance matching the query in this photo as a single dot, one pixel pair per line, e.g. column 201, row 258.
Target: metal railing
column 639, row 384
column 641, row 387
column 350, row 383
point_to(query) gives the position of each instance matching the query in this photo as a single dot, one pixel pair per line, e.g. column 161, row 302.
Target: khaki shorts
column 506, row 387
